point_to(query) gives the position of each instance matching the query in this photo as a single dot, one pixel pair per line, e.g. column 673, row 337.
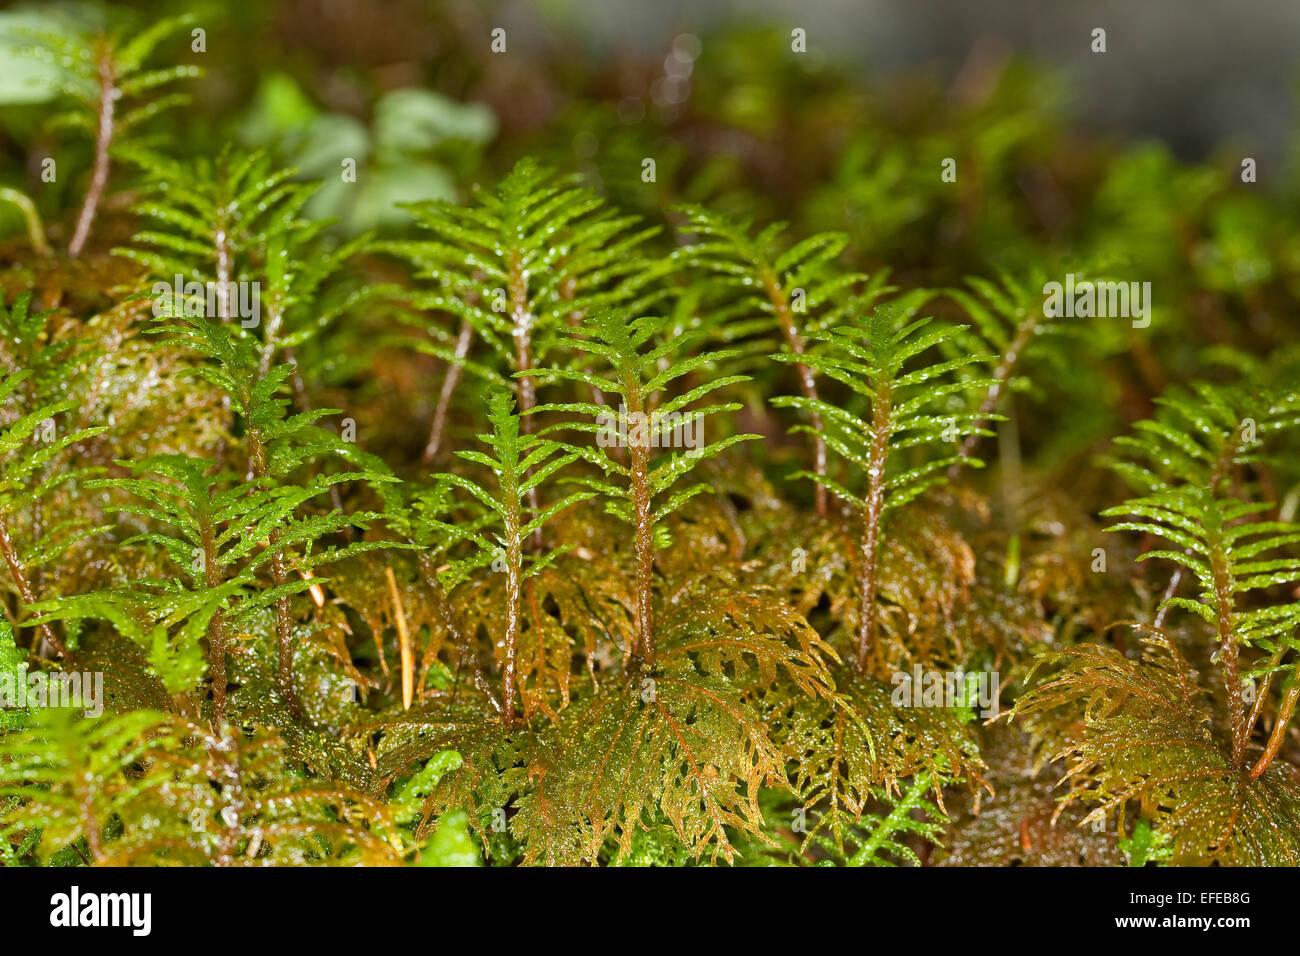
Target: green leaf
column 451, row 844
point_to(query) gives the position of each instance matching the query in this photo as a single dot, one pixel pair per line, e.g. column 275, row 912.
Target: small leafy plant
column 633, row 500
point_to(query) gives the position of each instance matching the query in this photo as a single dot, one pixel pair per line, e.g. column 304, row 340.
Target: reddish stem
column 644, row 651
column 523, row 320
column 807, row 379
column 1220, row 470
column 216, row 629
column 510, row 667
column 257, row 465
column 449, row 384
column 1228, row 652
column 514, row 582
column 25, row 590
column 1278, row 736
column 108, row 95
column 871, row 513
column 1001, row 375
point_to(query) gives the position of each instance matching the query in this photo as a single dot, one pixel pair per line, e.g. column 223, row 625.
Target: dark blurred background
column 1193, row 73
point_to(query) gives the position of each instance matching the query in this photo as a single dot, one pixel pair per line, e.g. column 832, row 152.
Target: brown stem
column 455, row 370
column 871, row 513
column 1278, row 736
column 514, row 580
column 1001, row 375
column 304, row 404
column 1222, row 464
column 644, row 651
column 523, row 319
column 25, row 592
column 807, row 379
column 257, row 465
column 1228, row 652
column 216, row 630
column 108, row 96
column 1258, row 707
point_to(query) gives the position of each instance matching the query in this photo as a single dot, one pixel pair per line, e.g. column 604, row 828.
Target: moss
column 537, row 531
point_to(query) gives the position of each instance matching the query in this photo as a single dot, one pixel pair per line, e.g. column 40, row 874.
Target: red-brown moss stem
column 1222, row 464
column 257, row 466
column 1228, row 653
column 522, row 317
column 807, row 379
column 25, row 591
column 873, row 509
column 1001, row 375
column 108, row 96
column 464, row 338
column 216, row 627
column 514, row 583
column 1278, row 736
column 643, row 652
column 1261, row 698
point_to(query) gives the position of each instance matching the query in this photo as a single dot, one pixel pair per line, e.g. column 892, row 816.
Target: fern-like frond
column 211, row 217
column 144, row 787
column 879, row 840
column 908, row 406
column 779, row 286
column 520, row 464
column 856, row 747
column 214, row 536
column 687, row 744
column 641, row 489
column 522, row 261
column 66, row 778
column 1199, row 435
column 1011, row 323
column 1233, row 555
column 1138, row 737
column 113, row 95
column 33, row 465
